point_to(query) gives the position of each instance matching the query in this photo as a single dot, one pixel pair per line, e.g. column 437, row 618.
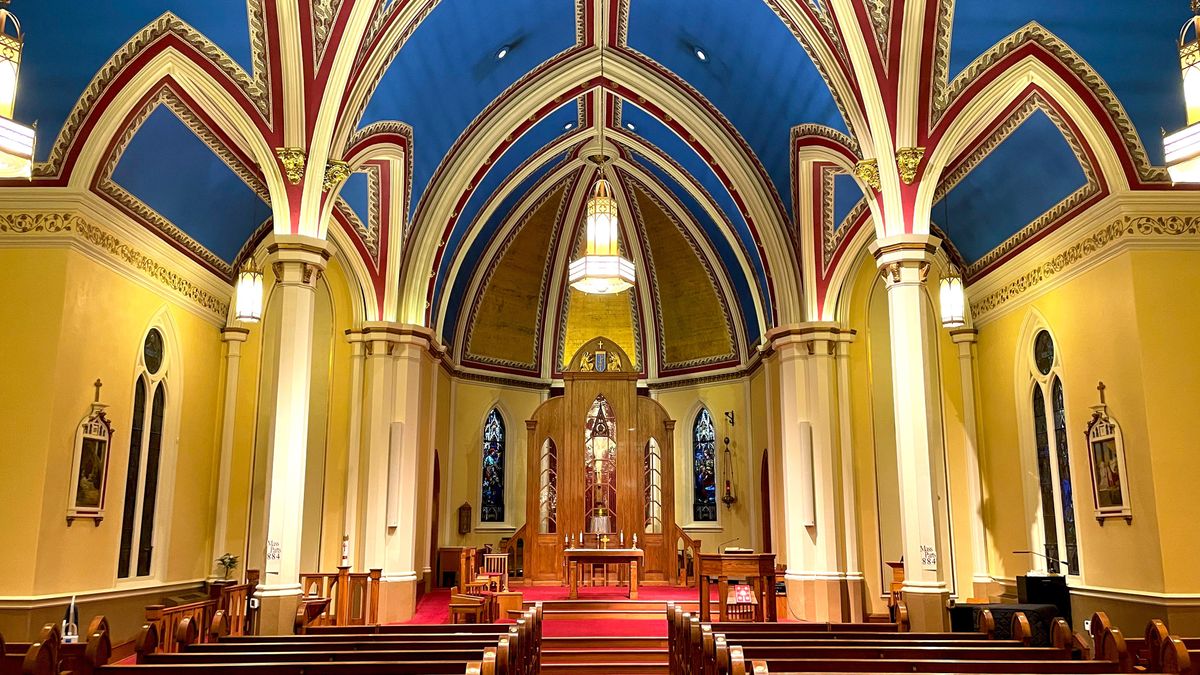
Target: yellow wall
column 89, row 323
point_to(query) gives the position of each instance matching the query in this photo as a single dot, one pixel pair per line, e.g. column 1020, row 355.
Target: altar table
column 603, row 556
column 758, row 569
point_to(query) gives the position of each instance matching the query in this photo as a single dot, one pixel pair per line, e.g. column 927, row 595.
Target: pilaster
column 981, row 578
column 809, row 463
column 904, row 262
column 298, row 262
column 352, row 546
column 854, row 600
column 233, row 337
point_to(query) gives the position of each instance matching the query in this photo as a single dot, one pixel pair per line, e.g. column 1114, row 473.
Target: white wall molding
column 130, row 590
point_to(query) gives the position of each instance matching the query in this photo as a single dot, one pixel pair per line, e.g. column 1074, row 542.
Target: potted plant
column 228, row 562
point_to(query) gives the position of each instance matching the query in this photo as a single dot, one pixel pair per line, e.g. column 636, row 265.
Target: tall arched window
column 548, row 490
column 652, row 489
column 600, row 468
column 1055, row 493
column 145, row 452
column 704, row 468
column 491, row 509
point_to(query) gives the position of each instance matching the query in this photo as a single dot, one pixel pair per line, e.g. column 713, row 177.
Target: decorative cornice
column 908, row 160
column 1123, row 229
column 293, row 161
column 69, row 225
column 867, row 171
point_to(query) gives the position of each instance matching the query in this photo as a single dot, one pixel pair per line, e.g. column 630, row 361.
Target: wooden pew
column 1176, row 656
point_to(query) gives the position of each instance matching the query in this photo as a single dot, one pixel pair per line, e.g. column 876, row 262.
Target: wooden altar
column 602, row 556
column 600, row 462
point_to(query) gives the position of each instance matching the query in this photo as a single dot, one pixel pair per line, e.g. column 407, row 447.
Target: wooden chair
column 464, row 606
column 495, row 568
column 470, row 582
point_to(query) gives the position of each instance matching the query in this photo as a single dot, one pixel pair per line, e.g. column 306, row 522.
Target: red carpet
column 433, row 607
column 605, row 628
column 612, row 592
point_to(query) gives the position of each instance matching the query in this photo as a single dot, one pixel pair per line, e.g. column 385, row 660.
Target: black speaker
column 1046, row 590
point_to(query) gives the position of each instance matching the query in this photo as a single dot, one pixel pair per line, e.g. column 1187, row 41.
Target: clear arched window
column 136, row 554
column 1057, row 508
column 652, row 488
column 600, row 468
column 548, row 488
column 704, row 468
column 491, row 509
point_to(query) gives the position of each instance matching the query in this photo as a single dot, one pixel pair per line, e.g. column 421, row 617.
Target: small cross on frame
column 97, row 384
column 1100, row 388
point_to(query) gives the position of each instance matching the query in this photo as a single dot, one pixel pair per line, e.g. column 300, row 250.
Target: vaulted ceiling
column 707, row 105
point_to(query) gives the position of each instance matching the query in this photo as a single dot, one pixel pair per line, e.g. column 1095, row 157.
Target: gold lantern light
column 17, row 141
column 249, row 293
column 1182, row 148
column 953, row 301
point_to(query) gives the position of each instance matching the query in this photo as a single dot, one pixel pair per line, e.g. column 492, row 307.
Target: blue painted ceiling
column 190, row 186
column 756, row 74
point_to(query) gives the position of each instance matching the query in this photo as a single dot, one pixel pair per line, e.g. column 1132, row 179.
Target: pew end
column 987, row 624
column 42, row 657
column 902, row 622
column 1020, row 629
column 759, row 667
column 219, row 627
column 1174, row 657
column 186, row 633
column 146, row 642
column 1061, row 636
column 1156, row 638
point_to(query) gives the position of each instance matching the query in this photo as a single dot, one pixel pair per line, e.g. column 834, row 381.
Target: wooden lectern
column 758, row 569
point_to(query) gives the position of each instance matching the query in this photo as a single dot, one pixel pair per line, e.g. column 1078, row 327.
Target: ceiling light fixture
column 249, row 293
column 629, row 126
column 952, row 297
column 1182, row 148
column 568, row 126
column 602, row 270
column 17, row 141
column 700, row 54
column 503, row 52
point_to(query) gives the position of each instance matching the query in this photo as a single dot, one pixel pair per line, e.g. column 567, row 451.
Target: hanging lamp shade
column 16, row 140
column 953, row 300
column 249, row 294
column 1182, row 148
column 602, row 270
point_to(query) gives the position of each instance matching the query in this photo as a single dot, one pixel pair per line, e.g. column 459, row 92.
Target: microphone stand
column 1056, row 561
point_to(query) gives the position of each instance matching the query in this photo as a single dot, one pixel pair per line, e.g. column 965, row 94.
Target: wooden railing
column 225, row 612
column 516, row 553
column 689, row 553
column 353, row 597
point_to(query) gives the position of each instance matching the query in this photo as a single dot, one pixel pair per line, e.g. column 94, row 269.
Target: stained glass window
column 1064, row 475
column 704, row 468
column 491, row 509
column 600, row 468
column 652, row 472
column 1045, row 475
column 548, row 491
column 1043, row 352
column 150, row 490
column 131, row 478
column 152, row 350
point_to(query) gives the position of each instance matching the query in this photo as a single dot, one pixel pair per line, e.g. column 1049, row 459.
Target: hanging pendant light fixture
column 952, row 297
column 249, row 293
column 16, row 140
column 602, row 270
column 1182, row 148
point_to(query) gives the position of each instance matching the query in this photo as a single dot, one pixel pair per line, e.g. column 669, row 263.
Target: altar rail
column 353, row 597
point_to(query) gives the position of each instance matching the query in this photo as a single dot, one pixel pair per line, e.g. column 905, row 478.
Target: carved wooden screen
column 600, row 469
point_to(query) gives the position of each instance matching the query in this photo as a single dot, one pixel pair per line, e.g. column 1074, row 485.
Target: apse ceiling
column 736, row 67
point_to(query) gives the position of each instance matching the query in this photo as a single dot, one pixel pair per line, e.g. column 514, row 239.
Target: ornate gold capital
column 867, row 171
column 907, row 161
column 335, row 173
column 293, row 160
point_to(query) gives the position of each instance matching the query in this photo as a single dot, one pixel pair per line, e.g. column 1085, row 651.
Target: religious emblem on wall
column 89, row 470
column 599, row 361
column 1106, row 455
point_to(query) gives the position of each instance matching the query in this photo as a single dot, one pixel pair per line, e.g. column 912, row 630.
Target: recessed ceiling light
column 629, row 126
column 700, row 54
column 568, row 126
column 502, row 52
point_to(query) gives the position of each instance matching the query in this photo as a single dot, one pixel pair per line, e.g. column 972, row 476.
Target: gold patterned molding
column 73, row 225
column 1125, row 228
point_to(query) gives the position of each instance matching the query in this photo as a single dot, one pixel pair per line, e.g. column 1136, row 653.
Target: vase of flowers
column 227, row 562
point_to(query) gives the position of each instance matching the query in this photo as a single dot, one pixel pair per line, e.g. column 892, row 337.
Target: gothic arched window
column 491, row 509
column 600, row 468
column 1057, row 508
column 652, row 488
column 704, row 468
column 548, row 488
column 145, row 452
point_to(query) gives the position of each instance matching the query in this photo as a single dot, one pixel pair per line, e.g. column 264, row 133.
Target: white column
column 904, row 261
column 851, row 566
column 353, row 553
column 380, row 339
column 981, row 578
column 297, row 261
column 808, row 436
column 233, row 336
